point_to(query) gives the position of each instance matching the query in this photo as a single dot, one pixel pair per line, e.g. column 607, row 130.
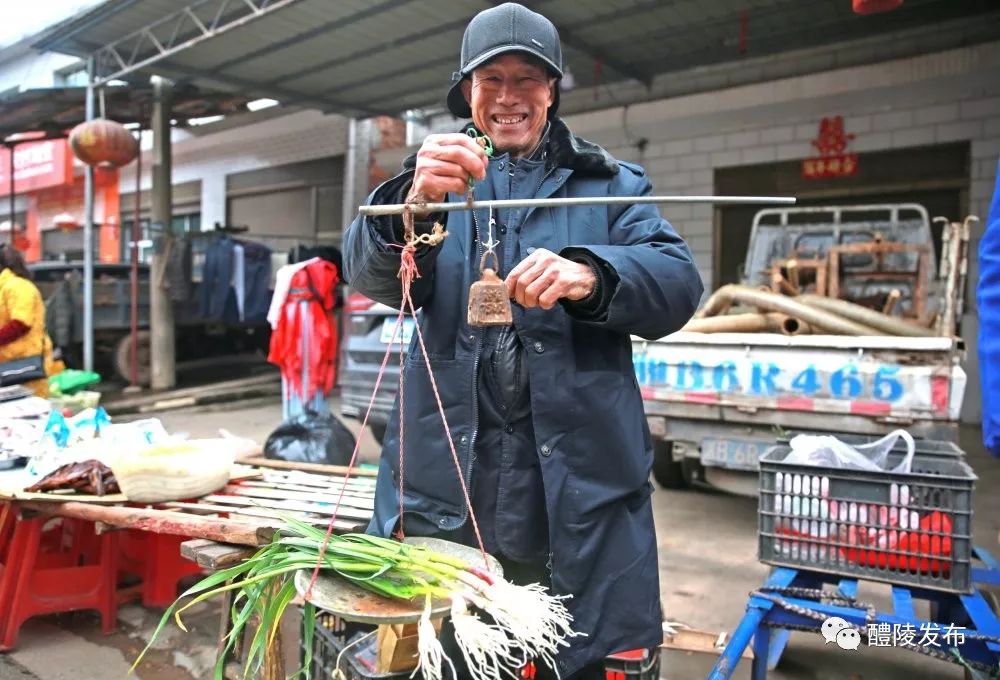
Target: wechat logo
column 836, row 629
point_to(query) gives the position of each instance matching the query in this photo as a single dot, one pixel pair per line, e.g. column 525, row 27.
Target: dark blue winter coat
column 591, row 434
column 988, row 304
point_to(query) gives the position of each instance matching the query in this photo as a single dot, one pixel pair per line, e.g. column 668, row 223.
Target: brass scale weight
column 488, row 301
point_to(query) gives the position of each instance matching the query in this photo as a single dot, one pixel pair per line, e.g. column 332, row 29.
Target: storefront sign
column 833, row 161
column 37, row 165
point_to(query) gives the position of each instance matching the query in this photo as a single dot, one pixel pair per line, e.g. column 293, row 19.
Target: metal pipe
column 752, row 322
column 737, row 323
column 88, row 237
column 11, row 148
column 400, row 208
column 818, row 319
column 887, row 325
column 133, row 368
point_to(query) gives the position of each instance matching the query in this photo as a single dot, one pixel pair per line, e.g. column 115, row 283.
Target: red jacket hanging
column 316, row 284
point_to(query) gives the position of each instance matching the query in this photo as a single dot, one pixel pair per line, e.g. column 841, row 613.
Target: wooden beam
column 159, row 521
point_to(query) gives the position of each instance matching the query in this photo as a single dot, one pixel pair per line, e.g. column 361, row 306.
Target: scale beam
column 400, row 208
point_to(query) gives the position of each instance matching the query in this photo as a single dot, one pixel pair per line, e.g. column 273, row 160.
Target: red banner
column 831, row 142
column 832, row 166
column 37, row 165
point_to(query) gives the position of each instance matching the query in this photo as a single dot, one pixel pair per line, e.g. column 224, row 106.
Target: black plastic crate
column 909, row 529
column 330, row 636
column 637, row 664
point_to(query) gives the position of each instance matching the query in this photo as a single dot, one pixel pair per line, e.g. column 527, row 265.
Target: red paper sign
column 833, row 160
column 37, row 165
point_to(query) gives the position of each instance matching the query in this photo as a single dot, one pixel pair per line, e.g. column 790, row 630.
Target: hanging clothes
column 282, row 284
column 304, row 342
column 236, row 282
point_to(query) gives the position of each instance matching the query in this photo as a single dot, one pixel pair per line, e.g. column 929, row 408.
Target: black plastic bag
column 311, row 437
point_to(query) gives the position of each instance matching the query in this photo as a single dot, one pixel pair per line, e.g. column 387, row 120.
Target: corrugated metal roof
column 55, row 110
column 360, row 57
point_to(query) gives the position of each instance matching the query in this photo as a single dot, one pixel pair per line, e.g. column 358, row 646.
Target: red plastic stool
column 37, row 581
column 156, row 558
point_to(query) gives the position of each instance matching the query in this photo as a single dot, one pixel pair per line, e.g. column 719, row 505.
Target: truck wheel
column 378, row 431
column 123, row 358
column 667, row 472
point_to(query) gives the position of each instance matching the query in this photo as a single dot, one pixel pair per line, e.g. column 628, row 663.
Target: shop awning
column 386, row 56
column 53, row 111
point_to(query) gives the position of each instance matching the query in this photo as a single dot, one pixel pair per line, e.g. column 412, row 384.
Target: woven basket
column 175, row 471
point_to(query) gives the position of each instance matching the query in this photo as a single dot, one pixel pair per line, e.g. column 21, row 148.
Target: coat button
column 539, row 347
column 500, row 165
column 530, row 250
column 502, row 229
column 509, row 429
column 464, row 439
column 442, row 522
column 546, row 450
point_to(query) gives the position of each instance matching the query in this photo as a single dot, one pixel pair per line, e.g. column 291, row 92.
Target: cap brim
column 456, row 100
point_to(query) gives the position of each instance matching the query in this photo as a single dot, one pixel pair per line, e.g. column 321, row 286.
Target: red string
column 407, row 273
column 407, row 300
column 350, row 464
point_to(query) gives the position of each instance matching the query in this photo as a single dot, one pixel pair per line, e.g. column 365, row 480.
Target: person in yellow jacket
column 22, row 318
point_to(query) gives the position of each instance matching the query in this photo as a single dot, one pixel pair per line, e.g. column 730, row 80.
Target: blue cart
column 795, row 599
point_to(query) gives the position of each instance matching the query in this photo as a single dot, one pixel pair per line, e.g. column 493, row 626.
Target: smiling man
column 545, row 415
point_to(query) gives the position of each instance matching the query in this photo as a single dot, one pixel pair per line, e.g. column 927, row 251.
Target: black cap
column 509, row 27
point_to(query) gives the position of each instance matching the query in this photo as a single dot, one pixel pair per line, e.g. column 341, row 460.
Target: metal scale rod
column 400, row 208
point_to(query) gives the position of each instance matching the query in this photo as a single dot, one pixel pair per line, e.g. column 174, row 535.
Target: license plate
column 389, row 327
column 735, row 454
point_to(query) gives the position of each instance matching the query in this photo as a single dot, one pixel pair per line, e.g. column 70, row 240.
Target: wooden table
column 246, row 511
column 245, row 514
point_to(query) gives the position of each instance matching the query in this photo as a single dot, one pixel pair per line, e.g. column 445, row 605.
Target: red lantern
column 875, row 6
column 103, row 143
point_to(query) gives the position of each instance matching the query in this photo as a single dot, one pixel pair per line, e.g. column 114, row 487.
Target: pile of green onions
column 527, row 622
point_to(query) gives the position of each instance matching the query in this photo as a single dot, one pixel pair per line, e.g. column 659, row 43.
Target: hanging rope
column 408, row 272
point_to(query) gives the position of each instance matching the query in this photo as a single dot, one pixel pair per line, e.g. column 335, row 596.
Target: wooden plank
column 309, row 496
column 311, row 479
column 219, row 387
column 309, row 467
column 234, row 511
column 699, row 641
column 302, row 477
column 317, row 508
column 214, row 556
column 315, row 487
column 159, row 521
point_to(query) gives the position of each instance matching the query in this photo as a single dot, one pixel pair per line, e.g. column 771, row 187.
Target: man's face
column 510, row 97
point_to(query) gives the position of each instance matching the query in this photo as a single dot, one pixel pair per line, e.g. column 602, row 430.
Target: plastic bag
column 828, row 451
column 311, row 437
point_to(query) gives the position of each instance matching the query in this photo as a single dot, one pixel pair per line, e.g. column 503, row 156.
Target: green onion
column 528, row 623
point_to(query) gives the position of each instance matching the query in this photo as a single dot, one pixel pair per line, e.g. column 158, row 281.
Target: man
column 546, row 415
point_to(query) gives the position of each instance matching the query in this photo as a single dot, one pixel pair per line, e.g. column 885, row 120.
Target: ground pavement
column 708, row 566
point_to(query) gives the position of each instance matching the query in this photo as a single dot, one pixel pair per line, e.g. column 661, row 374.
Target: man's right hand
column 444, row 164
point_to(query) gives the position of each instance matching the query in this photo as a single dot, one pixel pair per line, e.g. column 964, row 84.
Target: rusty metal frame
column 918, row 302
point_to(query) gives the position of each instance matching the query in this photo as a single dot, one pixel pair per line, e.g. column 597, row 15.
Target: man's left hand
column 543, row 278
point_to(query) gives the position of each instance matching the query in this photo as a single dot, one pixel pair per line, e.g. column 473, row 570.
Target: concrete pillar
column 161, row 312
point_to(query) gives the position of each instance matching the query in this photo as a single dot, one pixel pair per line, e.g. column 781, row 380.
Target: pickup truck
column 715, row 402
